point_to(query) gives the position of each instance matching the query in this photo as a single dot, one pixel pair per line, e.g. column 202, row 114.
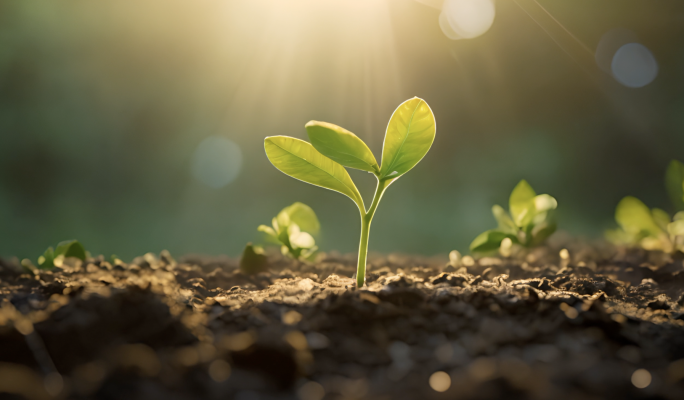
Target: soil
column 593, row 325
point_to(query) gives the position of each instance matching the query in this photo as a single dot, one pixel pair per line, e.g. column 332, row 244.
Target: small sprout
column 528, row 222
column 409, row 136
column 455, row 258
column 293, row 228
column 253, row 260
column 55, row 257
column 653, row 229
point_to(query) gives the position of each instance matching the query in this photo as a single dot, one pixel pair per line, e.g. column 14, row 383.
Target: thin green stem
column 366, row 218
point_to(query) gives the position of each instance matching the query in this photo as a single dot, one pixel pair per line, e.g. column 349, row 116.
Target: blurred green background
column 103, row 106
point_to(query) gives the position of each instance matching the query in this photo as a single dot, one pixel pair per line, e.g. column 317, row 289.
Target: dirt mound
column 597, row 324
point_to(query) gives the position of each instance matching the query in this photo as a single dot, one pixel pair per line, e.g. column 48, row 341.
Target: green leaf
column 506, row 224
column 676, row 228
column 302, row 161
column 489, row 241
column 253, row 260
column 522, row 204
column 304, row 216
column 674, row 183
column 71, row 248
column 409, row 136
column 46, row 261
column 341, row 146
column 661, row 218
column 635, row 218
column 544, row 202
column 299, row 239
column 542, row 231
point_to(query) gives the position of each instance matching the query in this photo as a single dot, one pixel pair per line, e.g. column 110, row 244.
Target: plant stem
column 366, row 218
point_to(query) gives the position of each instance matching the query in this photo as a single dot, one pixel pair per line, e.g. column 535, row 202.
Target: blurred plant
column 293, row 228
column 653, row 229
column 55, row 257
column 253, row 260
column 409, row 136
column 528, row 222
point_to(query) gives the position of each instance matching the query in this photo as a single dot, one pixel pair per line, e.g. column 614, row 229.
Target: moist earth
column 565, row 321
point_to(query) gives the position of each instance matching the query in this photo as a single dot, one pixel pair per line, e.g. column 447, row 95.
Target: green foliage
column 253, row 260
column 293, row 228
column 528, row 222
column 653, row 229
column 409, row 136
column 54, row 257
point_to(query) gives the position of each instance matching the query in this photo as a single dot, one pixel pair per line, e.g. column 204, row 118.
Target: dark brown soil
column 531, row 326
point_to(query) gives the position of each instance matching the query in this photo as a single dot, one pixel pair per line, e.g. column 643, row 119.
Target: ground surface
column 530, row 326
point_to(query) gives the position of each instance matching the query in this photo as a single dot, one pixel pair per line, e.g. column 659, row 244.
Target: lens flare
column 634, row 65
column 466, row 18
column 216, row 161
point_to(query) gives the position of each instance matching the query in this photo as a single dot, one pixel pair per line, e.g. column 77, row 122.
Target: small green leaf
column 341, row 146
column 661, row 218
column 542, row 231
column 409, row 136
column 71, row 248
column 299, row 239
column 304, row 216
column 521, row 203
column 544, row 202
column 635, row 218
column 506, row 224
column 490, row 241
column 674, row 183
column 676, row 228
column 46, row 261
column 253, row 260
column 302, row 161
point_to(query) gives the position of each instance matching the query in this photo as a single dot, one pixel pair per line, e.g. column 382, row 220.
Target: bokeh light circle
column 634, row 65
column 216, row 161
column 467, row 18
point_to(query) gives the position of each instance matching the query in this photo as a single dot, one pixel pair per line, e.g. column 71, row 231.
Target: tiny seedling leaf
column 489, row 241
column 341, row 146
column 522, row 203
column 304, row 217
column 409, row 136
column 302, row 161
column 674, row 183
column 70, row 248
column 506, row 224
column 635, row 218
column 253, row 260
column 661, row 218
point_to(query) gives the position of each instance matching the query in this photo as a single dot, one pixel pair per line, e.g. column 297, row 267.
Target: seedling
column 253, row 260
column 55, row 257
column 409, row 136
column 528, row 223
column 293, row 228
column 653, row 229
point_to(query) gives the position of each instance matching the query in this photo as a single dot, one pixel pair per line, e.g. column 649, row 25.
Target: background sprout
column 293, row 228
column 253, row 260
column 653, row 229
column 68, row 248
column 528, row 222
column 409, row 136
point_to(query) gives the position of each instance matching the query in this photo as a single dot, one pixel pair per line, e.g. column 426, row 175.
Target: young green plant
column 55, row 257
column 293, row 228
column 528, row 222
column 409, row 136
column 653, row 229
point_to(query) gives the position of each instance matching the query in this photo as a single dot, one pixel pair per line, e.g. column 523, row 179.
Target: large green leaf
column 302, row 161
column 674, row 183
column 304, row 217
column 490, row 241
column 634, row 217
column 521, row 203
column 409, row 136
column 341, row 146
